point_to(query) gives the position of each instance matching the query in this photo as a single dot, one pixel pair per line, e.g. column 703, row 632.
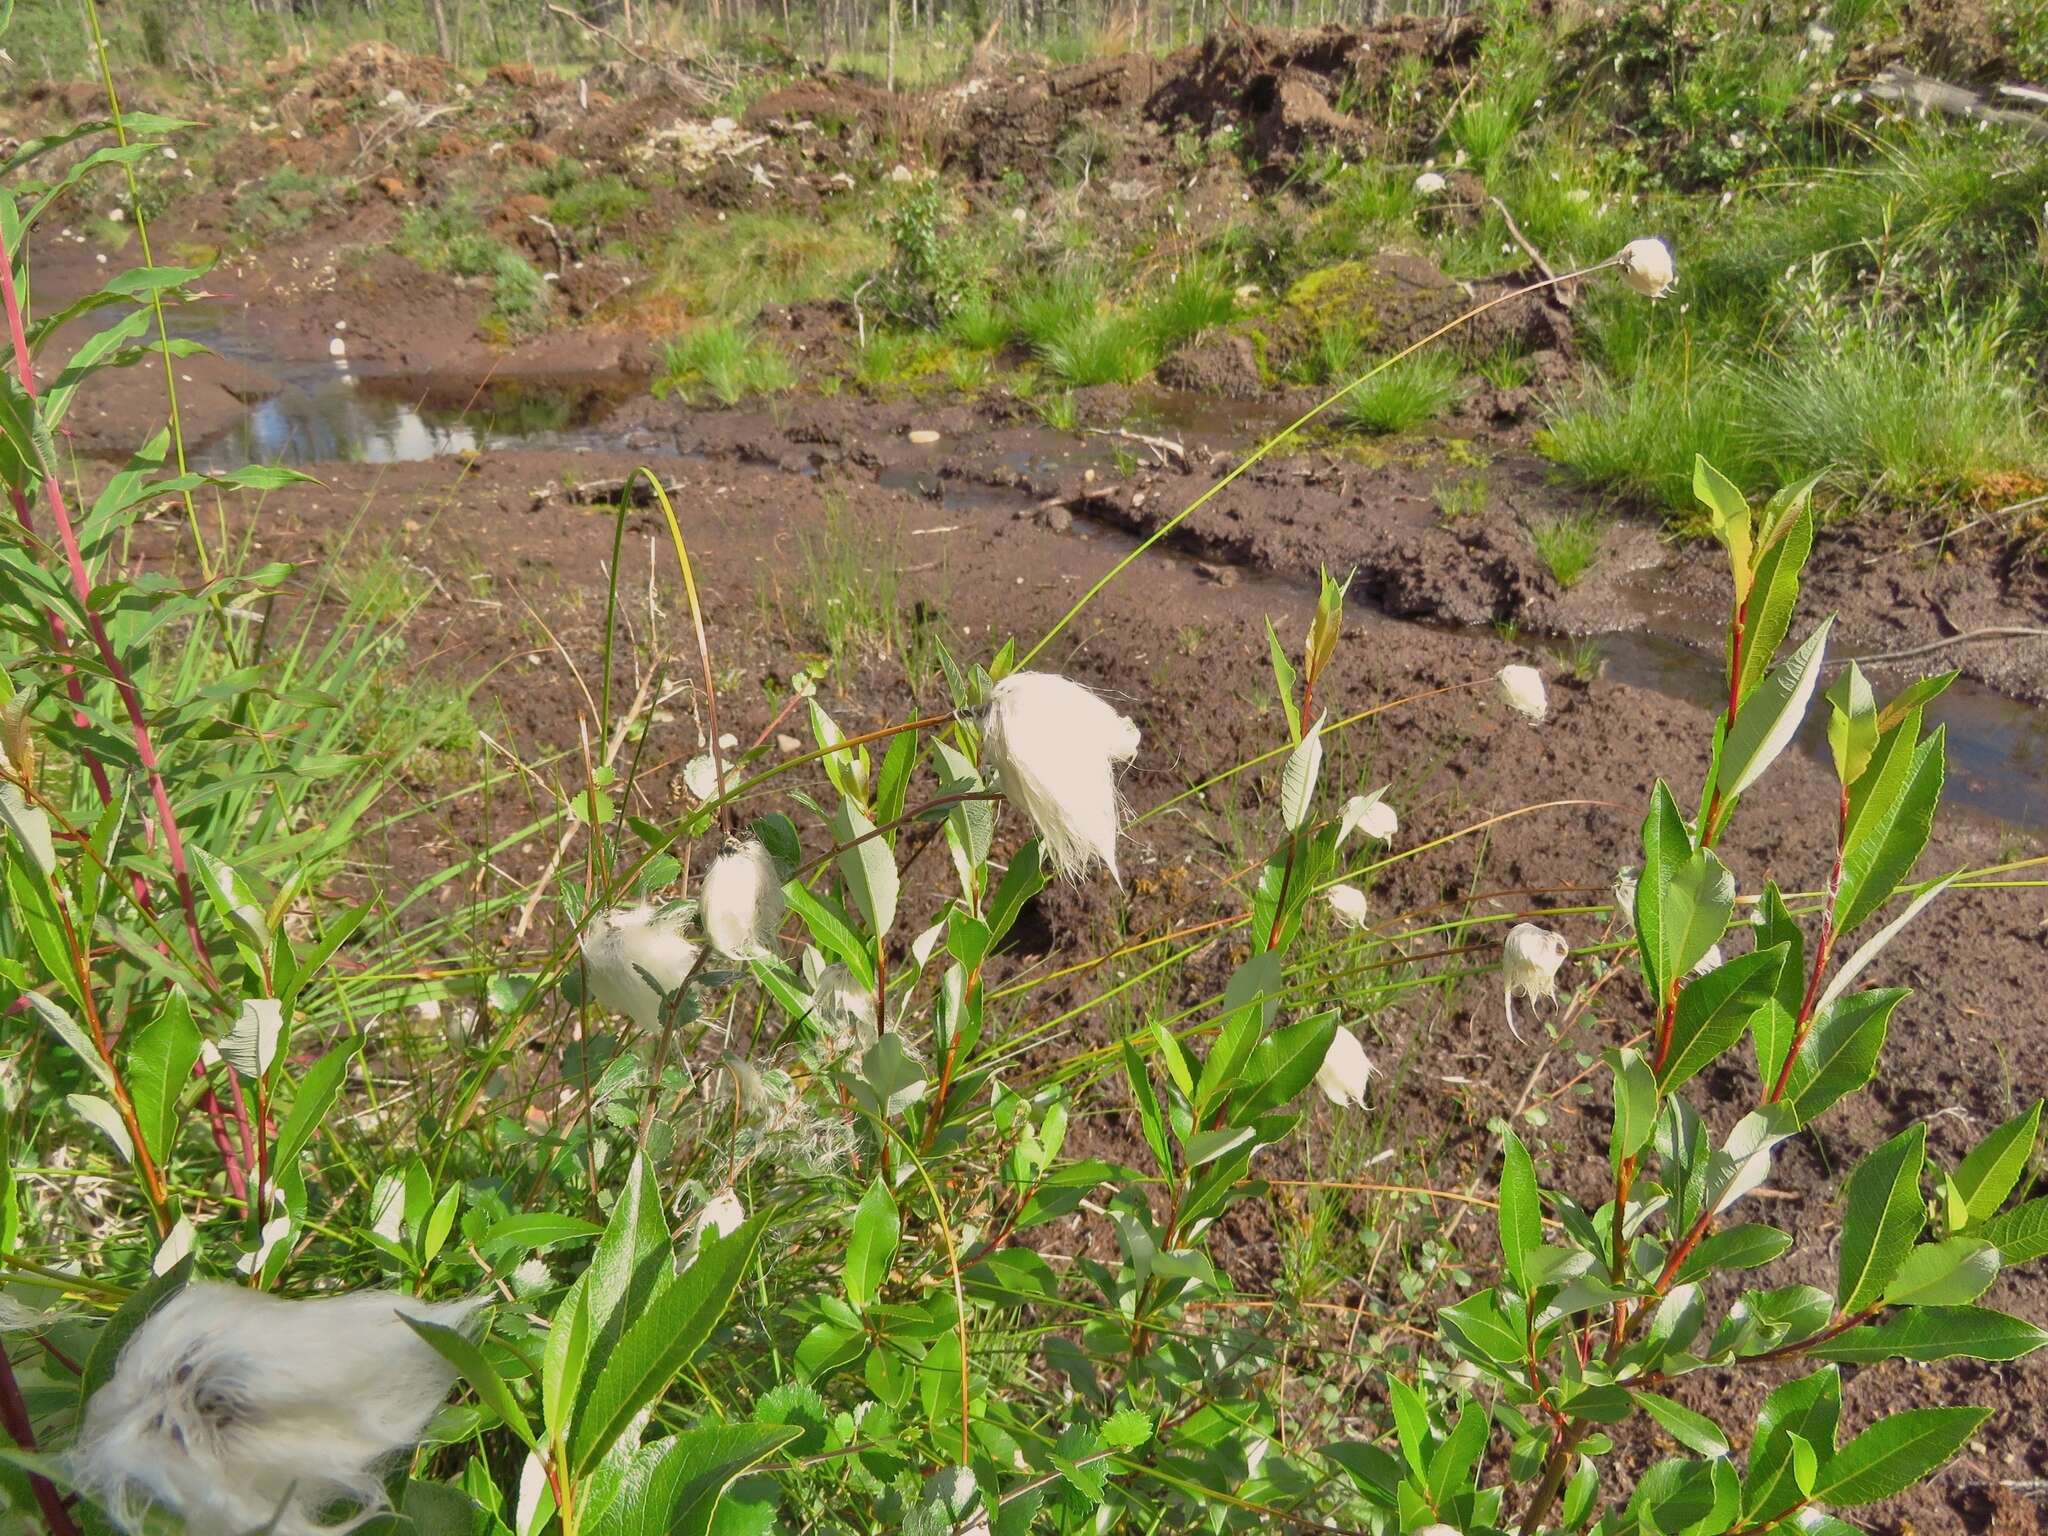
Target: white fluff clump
column 1346, row 1070
column 742, row 902
column 1055, row 747
column 1348, row 903
column 1646, row 266
column 1429, row 183
column 1528, row 965
column 1369, row 814
column 634, row 958
column 1521, row 689
column 243, row 1412
column 1625, row 885
column 843, row 1010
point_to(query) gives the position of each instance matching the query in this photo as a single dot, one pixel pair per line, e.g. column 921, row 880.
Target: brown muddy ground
column 1179, row 643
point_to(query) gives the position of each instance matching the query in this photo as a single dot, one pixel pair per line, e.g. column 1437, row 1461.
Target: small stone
column 901, row 174
column 923, row 436
column 1222, row 575
column 787, row 744
column 336, row 347
column 1058, row 519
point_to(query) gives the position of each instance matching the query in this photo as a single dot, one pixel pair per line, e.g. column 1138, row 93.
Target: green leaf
column 1770, row 716
column 1882, row 1214
column 1950, row 1273
column 1937, row 1333
column 315, row 1096
column 1776, row 593
column 1714, row 1011
column 1411, row 1425
column 1979, row 1187
column 659, row 1341
column 1284, row 680
column 1126, row 1429
column 1635, row 1102
column 673, row 1486
column 2020, row 1233
column 475, row 1367
column 62, row 1026
column 1694, row 1431
column 1871, row 947
column 1750, row 1245
column 869, row 869
column 1150, row 1120
column 1684, row 896
column 1284, row 1063
column 872, row 1247
column 161, row 1056
column 1841, row 1051
column 1521, row 1212
column 1885, row 845
column 1298, row 779
column 1250, row 1005
column 1895, row 1453
column 1852, row 724
column 1729, row 517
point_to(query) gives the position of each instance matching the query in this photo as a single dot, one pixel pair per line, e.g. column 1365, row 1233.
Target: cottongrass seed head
column 1646, row 266
column 1055, row 748
column 1347, row 904
column 742, row 902
column 243, row 1412
column 1528, row 965
column 634, row 957
column 1521, row 689
column 1346, row 1070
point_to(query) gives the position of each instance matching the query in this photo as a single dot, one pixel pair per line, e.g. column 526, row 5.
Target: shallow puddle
column 1997, row 747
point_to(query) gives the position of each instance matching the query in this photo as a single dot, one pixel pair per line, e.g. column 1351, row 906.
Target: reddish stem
column 14, row 1416
column 1822, row 952
column 81, row 587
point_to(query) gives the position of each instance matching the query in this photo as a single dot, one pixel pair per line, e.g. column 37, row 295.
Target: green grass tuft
column 1407, row 394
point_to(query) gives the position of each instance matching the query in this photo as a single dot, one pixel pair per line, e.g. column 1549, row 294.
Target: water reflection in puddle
column 335, row 416
column 1997, row 747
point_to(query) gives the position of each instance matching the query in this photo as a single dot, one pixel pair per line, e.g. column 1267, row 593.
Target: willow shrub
column 788, row 1257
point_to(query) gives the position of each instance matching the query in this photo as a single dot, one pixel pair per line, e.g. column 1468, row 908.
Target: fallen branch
column 1160, row 446
column 1990, row 632
column 1565, row 296
column 591, row 492
column 1925, row 94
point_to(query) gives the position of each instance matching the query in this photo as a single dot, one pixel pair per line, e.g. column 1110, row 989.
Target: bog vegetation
column 756, row 1202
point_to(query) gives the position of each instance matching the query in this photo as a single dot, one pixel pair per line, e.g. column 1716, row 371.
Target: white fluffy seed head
column 1521, row 689
column 1369, row 814
column 844, row 1012
column 1646, row 266
column 742, row 902
column 634, row 957
column 241, row 1412
column 1346, row 1070
column 1348, row 903
column 1054, row 747
column 1529, row 961
column 1625, row 896
column 1429, row 183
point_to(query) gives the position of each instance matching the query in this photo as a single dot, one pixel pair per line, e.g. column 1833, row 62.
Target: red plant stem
column 216, row 1119
column 1821, row 955
column 14, row 1416
column 61, row 640
column 81, row 586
